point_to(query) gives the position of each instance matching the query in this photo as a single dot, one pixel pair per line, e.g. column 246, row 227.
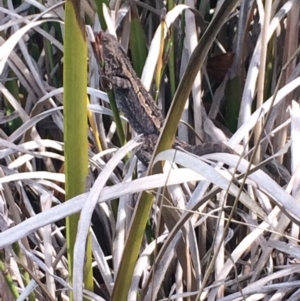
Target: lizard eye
column 104, row 40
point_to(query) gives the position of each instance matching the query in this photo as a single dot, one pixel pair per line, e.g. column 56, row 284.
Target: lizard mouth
column 102, row 41
column 97, row 47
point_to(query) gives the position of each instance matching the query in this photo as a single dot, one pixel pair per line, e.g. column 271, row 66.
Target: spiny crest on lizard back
column 131, row 96
column 137, row 104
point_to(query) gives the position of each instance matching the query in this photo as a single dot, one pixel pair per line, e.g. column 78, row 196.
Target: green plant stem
column 8, row 279
column 75, row 125
column 141, row 213
column 26, row 276
column 117, row 118
column 171, row 59
column 99, row 4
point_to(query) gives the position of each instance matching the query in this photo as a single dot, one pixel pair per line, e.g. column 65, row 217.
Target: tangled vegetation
column 81, row 218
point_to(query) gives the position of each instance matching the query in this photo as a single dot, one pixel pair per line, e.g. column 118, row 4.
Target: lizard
column 136, row 102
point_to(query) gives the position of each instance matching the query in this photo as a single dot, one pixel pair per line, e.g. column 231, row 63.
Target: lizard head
column 110, row 50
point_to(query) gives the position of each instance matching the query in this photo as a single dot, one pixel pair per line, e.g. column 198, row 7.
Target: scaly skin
column 136, row 102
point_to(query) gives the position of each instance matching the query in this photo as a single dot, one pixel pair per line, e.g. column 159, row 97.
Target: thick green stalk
column 75, row 124
column 142, row 211
column 99, row 4
column 185, row 86
column 7, row 276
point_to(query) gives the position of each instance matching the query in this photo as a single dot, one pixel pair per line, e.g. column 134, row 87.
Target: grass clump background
column 81, row 218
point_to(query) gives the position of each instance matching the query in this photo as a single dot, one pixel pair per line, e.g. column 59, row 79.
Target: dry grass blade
column 86, row 215
column 254, row 239
column 76, row 204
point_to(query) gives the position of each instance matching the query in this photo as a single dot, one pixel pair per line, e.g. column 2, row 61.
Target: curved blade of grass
column 87, row 211
column 150, row 65
column 76, row 204
column 7, row 47
column 139, row 222
column 185, row 86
